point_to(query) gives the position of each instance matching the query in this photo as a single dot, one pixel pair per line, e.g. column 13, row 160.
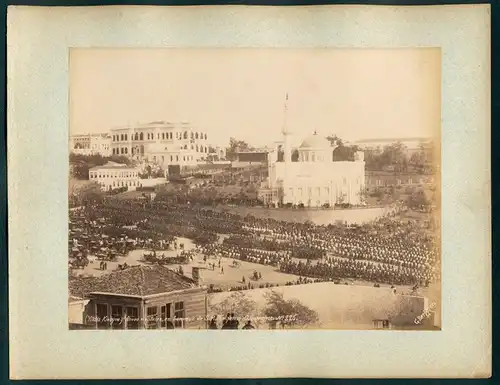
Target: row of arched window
column 120, row 151
column 163, row 136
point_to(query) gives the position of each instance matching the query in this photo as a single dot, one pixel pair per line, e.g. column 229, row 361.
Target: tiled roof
column 135, row 280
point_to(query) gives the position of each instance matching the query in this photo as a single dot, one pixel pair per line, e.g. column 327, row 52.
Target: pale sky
column 354, row 93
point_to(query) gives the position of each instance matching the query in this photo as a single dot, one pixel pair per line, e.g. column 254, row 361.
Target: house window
column 132, row 317
column 116, row 317
column 152, row 315
column 141, row 136
column 102, row 316
column 179, row 315
column 318, row 191
column 166, row 316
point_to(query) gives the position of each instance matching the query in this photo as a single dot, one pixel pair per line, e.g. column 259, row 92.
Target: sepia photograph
column 254, row 189
column 318, row 176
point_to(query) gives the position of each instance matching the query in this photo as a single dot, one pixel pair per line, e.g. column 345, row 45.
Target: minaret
column 286, row 150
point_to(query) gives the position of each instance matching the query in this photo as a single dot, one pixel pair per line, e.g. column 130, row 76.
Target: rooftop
column 112, row 165
column 135, row 280
column 315, row 141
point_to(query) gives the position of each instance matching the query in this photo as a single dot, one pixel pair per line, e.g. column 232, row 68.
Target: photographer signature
column 426, row 314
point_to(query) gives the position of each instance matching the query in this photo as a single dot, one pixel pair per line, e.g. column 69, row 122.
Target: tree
column 418, row 201
column 343, row 153
column 238, row 303
column 281, row 154
column 90, row 193
column 335, row 140
column 287, row 313
column 395, row 157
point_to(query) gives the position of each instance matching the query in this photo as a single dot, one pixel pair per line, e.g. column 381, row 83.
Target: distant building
column 164, row 143
column 90, row 144
column 387, row 179
column 257, row 156
column 141, row 297
column 412, row 144
column 115, row 175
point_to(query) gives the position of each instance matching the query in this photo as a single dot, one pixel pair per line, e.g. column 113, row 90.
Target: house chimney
column 197, row 275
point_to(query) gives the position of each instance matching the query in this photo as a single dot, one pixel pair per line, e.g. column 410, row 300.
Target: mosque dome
column 315, row 141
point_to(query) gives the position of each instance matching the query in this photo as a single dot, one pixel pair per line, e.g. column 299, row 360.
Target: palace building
column 164, row 143
column 314, row 180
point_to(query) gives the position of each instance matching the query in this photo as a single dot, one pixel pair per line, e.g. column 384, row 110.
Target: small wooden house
column 142, row 297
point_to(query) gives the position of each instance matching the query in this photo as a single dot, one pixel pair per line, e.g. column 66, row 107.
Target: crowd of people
column 385, row 251
column 229, row 322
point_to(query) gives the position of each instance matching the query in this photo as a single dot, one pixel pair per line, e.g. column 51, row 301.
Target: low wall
column 345, row 306
column 76, row 310
column 152, row 182
column 317, row 216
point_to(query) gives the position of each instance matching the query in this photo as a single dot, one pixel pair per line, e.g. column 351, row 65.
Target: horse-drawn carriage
column 236, row 264
column 256, row 276
column 79, row 263
column 106, row 255
column 122, row 267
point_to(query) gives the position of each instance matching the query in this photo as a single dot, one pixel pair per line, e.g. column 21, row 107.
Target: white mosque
column 315, row 180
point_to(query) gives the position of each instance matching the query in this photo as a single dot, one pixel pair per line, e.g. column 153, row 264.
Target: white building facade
column 315, row 180
column 164, row 143
column 91, row 144
column 115, row 175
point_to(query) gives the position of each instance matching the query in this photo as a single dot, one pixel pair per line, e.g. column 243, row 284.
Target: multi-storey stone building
column 162, row 142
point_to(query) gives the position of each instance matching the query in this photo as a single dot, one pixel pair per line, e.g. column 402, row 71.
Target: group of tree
column 235, row 146
column 394, row 157
column 86, row 194
column 277, row 313
column 397, row 158
column 81, row 164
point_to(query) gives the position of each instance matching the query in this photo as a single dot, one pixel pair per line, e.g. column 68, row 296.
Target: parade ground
column 224, row 276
